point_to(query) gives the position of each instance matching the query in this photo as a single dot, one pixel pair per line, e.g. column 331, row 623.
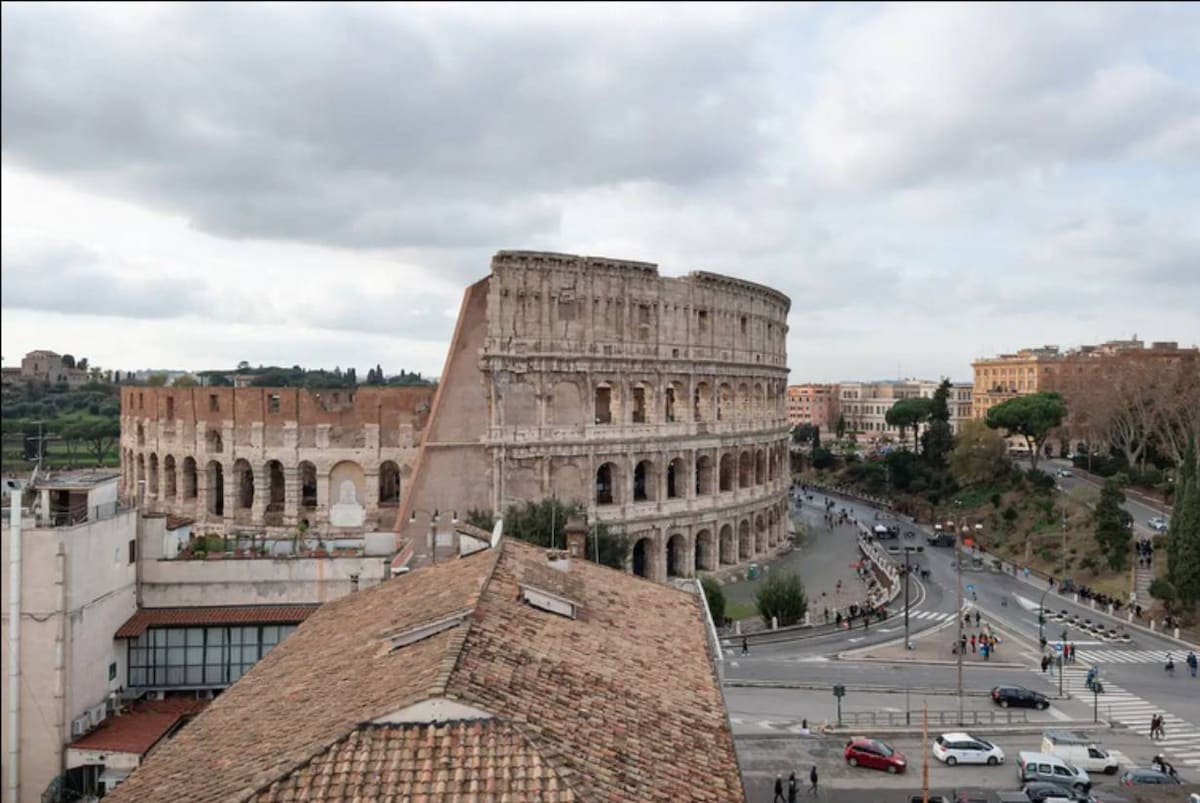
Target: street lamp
column 907, row 582
column 433, row 522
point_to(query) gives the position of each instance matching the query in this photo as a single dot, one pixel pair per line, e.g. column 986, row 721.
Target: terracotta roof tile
column 217, row 615
column 618, row 704
column 140, row 728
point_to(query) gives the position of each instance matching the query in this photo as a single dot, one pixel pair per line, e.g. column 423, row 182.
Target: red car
column 862, row 752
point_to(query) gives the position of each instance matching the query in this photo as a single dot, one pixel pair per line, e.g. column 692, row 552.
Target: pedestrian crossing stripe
column 931, row 616
column 1124, row 657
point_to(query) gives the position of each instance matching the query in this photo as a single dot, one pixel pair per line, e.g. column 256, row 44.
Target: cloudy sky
column 187, row 186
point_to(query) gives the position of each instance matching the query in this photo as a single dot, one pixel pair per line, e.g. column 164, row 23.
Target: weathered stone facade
column 659, row 403
column 266, row 459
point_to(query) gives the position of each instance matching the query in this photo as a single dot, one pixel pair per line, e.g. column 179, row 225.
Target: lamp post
column 433, row 522
column 907, row 582
column 958, row 587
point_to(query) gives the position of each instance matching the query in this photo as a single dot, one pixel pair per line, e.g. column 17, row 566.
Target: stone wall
column 658, row 403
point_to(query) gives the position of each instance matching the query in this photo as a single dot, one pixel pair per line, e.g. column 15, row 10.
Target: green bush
column 1161, row 589
column 716, row 599
column 996, row 499
column 782, row 597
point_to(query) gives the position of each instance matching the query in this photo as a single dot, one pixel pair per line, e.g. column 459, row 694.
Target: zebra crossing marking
column 1124, row 657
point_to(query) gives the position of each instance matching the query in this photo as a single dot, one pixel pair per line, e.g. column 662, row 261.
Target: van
column 1080, row 751
column 1046, row 767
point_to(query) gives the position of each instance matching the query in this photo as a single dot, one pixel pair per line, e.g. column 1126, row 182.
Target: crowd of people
column 1145, row 551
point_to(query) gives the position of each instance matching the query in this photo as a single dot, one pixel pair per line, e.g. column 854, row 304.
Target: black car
column 1137, row 777
column 941, row 539
column 1046, row 792
column 1019, row 697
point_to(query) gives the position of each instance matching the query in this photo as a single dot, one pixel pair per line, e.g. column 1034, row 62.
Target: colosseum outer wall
column 266, row 459
column 659, row 403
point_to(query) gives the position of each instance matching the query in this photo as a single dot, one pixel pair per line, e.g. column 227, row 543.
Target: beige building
column 48, row 366
column 865, row 405
column 657, row 403
column 817, row 405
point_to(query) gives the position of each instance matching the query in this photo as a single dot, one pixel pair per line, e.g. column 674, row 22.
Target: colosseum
column 657, row 403
column 268, row 459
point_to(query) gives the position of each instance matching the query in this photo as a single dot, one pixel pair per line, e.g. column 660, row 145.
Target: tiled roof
column 621, row 703
column 466, row 760
column 217, row 615
column 137, row 730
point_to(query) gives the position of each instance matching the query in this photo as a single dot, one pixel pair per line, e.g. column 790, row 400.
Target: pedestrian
column 972, row 643
column 792, row 790
column 1191, row 663
column 866, row 622
column 976, row 618
column 745, row 646
column 779, row 798
column 812, row 777
column 1045, row 661
column 983, row 650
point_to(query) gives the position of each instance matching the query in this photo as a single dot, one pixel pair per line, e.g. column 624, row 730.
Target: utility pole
column 907, row 582
column 959, row 613
column 1063, row 572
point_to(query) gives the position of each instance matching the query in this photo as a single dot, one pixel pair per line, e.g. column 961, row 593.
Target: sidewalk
column 936, row 647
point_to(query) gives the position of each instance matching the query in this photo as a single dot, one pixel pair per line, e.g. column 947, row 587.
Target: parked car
column 1160, row 524
column 1045, row 767
column 1019, row 697
column 940, row 539
column 1048, row 792
column 963, row 748
column 1080, row 750
column 875, row 754
column 1137, row 776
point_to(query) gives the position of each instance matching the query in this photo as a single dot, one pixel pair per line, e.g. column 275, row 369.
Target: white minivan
column 1080, row 751
column 1046, row 767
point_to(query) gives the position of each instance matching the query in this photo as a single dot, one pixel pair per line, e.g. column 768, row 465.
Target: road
column 1090, row 490
column 767, row 720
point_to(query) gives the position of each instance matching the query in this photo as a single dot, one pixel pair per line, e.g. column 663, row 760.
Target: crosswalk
column 1182, row 742
column 1129, row 657
column 931, row 616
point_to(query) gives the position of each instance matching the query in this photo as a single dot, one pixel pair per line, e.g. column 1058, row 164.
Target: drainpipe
column 60, row 657
column 15, row 490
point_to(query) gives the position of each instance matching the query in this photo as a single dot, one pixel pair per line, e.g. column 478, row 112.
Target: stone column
column 231, row 489
column 262, row 492
column 371, row 494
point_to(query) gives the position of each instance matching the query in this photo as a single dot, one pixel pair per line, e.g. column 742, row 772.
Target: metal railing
column 1005, row 716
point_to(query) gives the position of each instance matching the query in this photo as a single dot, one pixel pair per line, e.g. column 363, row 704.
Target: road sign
column 839, row 690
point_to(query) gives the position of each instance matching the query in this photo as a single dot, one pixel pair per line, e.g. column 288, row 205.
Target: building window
column 170, row 408
column 273, row 403
column 702, row 321
column 132, row 550
column 213, row 405
column 199, row 656
column 112, row 671
column 743, row 324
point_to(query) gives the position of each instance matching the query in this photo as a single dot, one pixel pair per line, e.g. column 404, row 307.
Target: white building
column 864, row 405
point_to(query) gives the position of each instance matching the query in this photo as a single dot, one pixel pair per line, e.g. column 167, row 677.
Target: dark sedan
column 1019, row 697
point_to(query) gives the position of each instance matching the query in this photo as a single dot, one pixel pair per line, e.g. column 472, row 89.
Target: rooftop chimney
column 576, row 537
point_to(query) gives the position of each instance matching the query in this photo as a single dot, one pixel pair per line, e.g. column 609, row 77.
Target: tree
column 68, row 361
column 938, row 439
column 1183, row 536
column 82, row 365
column 483, row 519
column 156, row 380
column 99, row 434
column 980, row 456
column 1032, row 416
column 841, row 427
column 803, row 433
column 715, row 598
column 908, row 413
column 1113, row 532
column 186, row 381
column 544, row 523
column 782, row 597
column 243, row 366
column 816, row 438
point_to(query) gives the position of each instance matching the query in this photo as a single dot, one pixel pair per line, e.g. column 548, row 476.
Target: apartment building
column 813, row 404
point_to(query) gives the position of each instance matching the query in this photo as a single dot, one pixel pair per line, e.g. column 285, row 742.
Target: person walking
column 745, row 646
column 1045, row 662
column 779, row 798
column 1191, row 663
column 792, row 790
column 972, row 643
column 812, row 778
column 977, row 618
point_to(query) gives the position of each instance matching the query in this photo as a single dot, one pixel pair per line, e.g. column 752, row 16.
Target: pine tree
column 379, row 378
column 1111, row 531
column 1183, row 537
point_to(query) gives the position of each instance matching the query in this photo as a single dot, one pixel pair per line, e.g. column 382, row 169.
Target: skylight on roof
column 424, row 631
column 546, row 601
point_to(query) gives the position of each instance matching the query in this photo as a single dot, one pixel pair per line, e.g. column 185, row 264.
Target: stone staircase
column 1141, row 583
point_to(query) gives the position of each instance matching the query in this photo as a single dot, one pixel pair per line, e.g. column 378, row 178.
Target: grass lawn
column 740, row 610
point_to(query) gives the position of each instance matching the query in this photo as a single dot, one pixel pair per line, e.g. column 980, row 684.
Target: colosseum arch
column 705, row 557
column 760, row 535
column 344, row 478
column 760, row 400
column 276, row 493
column 141, row 472
column 677, row 556
column 191, row 484
column 389, row 484
column 744, row 546
column 724, row 402
column 566, row 404
column 607, row 484
column 760, row 466
column 728, row 548
column 152, row 483
column 645, row 481
column 745, row 469
column 676, row 478
column 641, row 401
column 213, row 442
column 567, row 482
column 605, row 403
column 704, row 475
column 642, row 556
column 243, row 478
column 702, row 402
column 308, row 485
column 214, row 488
column 773, row 527
column 141, row 434
column 728, row 467
column 743, row 401
column 169, row 482
column 672, row 394
column 520, row 405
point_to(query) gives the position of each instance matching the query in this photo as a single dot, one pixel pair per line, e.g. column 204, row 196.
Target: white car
column 1159, row 524
column 963, row 748
column 1064, row 472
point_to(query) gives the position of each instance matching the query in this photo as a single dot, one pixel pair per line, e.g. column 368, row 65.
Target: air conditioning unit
column 157, row 694
column 97, row 713
column 204, row 694
column 81, row 725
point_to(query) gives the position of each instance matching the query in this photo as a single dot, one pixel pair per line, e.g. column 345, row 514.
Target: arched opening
column 645, row 482
column 169, row 488
column 308, row 486
column 243, row 476
column 704, row 475
column 744, row 544
column 604, row 404
column 702, row 402
column 212, row 441
column 604, row 484
column 141, row 434
column 743, row 401
column 760, row 399
column 638, row 404
column 705, row 555
column 728, row 550
column 745, row 470
column 760, row 535
column 275, row 492
column 677, row 556
column 152, row 486
column 772, row 527
column 640, row 566
column 726, row 472
column 724, row 402
column 760, row 467
column 776, row 459
column 675, row 478
column 191, row 485
column 141, row 472
column 215, row 492
column 389, row 484
column 669, row 404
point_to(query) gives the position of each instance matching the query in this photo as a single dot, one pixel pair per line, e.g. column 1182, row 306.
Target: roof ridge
column 553, row 759
column 440, row 686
